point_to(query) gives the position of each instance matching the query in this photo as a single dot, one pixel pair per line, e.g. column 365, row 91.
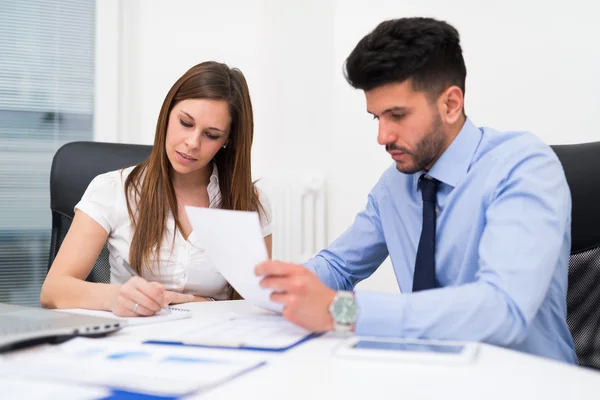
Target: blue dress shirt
column 502, row 248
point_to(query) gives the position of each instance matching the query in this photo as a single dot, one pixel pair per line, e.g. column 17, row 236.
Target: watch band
column 343, row 323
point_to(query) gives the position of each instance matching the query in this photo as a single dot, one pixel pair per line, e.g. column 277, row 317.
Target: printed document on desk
column 233, row 241
column 162, row 316
column 259, row 332
column 18, row 389
column 141, row 368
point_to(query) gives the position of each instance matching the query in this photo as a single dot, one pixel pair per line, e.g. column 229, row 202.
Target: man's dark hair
column 425, row 50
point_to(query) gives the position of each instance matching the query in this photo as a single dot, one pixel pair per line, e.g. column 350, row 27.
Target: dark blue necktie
column 425, row 264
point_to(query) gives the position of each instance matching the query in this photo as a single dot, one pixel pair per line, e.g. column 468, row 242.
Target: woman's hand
column 178, row 298
column 138, row 297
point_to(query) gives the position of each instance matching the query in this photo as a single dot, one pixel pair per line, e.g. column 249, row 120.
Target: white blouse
column 183, row 266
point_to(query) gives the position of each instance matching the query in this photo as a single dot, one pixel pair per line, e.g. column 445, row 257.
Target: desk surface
column 310, row 371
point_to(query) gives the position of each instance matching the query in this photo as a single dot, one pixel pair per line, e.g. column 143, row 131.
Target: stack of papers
column 258, row 332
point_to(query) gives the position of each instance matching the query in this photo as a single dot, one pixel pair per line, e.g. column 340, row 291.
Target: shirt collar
column 214, row 177
column 454, row 163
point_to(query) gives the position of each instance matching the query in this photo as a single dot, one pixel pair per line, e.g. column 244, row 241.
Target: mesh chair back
column 73, row 168
column 581, row 163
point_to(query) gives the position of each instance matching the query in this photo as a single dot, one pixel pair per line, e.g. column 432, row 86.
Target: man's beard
column 426, row 150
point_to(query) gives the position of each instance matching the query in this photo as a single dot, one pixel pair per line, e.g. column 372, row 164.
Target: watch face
column 344, row 311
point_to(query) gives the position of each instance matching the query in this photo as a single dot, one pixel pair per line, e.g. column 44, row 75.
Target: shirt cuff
column 267, row 230
column 379, row 314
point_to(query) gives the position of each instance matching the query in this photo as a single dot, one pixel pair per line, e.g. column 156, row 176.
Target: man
column 476, row 222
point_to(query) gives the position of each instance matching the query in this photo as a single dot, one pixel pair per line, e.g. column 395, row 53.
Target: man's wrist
column 343, row 311
column 330, row 323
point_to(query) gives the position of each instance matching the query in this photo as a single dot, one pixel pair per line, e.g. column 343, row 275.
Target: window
column 46, row 100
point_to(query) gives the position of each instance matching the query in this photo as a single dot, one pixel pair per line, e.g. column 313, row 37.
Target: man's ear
column 451, row 104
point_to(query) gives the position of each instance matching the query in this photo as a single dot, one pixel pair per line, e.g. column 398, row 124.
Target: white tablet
column 407, row 349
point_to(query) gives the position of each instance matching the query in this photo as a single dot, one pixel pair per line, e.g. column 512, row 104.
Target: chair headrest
column 581, row 163
column 75, row 165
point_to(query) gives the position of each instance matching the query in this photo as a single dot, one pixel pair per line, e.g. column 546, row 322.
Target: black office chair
column 73, row 168
column 581, row 163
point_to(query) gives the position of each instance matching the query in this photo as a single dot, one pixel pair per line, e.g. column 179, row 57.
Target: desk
column 310, row 371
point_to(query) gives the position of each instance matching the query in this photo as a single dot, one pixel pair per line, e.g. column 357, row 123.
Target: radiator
column 298, row 215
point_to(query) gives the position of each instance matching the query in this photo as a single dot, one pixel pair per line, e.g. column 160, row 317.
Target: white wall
column 162, row 39
column 531, row 65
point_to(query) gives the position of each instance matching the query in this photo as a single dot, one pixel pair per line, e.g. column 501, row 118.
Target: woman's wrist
column 109, row 298
column 203, row 298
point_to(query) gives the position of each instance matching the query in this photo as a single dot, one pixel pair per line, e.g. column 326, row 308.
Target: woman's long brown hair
column 149, row 185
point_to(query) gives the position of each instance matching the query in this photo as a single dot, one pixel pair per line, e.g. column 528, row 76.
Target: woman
column 200, row 157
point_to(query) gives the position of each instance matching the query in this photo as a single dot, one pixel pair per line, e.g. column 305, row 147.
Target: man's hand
column 304, row 297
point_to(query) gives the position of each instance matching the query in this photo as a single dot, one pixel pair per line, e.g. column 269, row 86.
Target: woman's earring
column 224, row 146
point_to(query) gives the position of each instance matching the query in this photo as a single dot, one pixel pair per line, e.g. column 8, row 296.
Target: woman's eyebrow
column 188, row 115
column 210, row 127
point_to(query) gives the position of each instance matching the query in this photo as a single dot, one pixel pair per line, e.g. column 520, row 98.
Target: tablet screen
column 400, row 346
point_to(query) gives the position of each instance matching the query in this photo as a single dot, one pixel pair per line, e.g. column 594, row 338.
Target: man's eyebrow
column 391, row 109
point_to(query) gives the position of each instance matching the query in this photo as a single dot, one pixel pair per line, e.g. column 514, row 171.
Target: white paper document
column 268, row 332
column 19, row 389
column 162, row 316
column 233, row 241
column 141, row 368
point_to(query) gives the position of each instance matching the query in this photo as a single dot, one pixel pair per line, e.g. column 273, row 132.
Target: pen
column 133, row 273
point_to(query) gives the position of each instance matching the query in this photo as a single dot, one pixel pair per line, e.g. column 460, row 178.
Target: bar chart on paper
column 159, row 370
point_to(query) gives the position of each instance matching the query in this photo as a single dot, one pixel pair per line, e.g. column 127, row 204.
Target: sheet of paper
column 142, row 368
column 233, row 241
column 260, row 331
column 18, row 389
column 162, row 316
